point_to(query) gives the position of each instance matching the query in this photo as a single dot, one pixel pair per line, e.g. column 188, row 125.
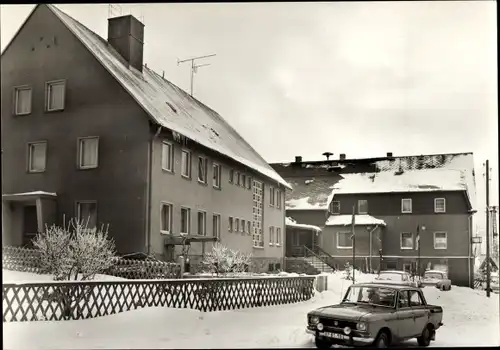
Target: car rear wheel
column 322, row 344
column 425, row 338
column 382, row 340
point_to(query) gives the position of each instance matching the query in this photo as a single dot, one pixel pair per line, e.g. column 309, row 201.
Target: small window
column 186, row 164
column 249, row 183
column 166, row 218
column 344, row 240
column 278, row 236
column 86, row 213
column 271, row 196
column 404, row 301
column 216, row 226
column 88, row 152
column 55, row 93
column 231, row 176
column 415, row 298
column 249, row 227
column 167, row 156
column 230, row 222
column 271, row 235
column 439, row 205
column 202, row 170
column 237, row 178
column 440, row 240
column 406, row 205
column 406, row 240
column 242, row 226
column 335, row 207
column 216, row 175
column 202, row 223
column 362, row 206
column 278, row 199
column 37, row 157
column 243, row 180
column 185, row 220
column 22, row 100
column 236, row 225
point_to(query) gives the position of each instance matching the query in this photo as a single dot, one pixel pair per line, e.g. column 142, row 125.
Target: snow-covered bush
column 347, row 271
column 74, row 251
column 222, row 260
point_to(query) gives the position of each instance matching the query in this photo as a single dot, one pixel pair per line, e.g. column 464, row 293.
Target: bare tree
column 222, row 260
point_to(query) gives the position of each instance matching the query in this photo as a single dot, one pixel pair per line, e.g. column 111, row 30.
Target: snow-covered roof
column 344, row 220
column 170, row 106
column 422, row 173
column 292, row 223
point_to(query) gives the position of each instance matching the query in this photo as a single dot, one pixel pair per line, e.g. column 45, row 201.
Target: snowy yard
column 470, row 320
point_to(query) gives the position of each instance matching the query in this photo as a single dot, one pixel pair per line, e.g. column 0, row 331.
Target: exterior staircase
column 318, row 265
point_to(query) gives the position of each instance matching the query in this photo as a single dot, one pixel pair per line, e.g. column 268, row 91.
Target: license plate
column 332, row 335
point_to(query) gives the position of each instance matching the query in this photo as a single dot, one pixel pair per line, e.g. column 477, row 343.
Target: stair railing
column 308, row 253
column 324, row 256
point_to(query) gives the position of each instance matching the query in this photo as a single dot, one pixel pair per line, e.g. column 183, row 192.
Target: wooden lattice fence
column 21, row 259
column 81, row 300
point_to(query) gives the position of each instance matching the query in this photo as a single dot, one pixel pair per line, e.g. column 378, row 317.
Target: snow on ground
column 469, row 317
column 9, row 276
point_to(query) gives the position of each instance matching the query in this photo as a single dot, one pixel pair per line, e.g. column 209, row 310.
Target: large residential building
column 88, row 131
column 411, row 213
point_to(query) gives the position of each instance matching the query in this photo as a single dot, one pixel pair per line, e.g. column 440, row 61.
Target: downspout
column 150, row 189
column 469, row 228
column 376, row 226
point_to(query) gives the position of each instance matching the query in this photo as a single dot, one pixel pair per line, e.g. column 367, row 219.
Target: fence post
column 182, row 264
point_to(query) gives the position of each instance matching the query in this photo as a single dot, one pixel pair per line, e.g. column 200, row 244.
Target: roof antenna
column 327, row 155
column 194, row 67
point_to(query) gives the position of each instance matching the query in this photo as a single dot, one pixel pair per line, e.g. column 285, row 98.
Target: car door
column 404, row 315
column 420, row 312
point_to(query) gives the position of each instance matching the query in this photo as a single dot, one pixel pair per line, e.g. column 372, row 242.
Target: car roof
column 382, row 285
column 394, row 271
column 435, row 271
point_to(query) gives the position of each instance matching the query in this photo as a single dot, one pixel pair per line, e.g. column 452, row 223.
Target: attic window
column 171, row 106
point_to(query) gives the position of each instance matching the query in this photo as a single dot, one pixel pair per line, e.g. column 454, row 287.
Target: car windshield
column 390, row 276
column 433, row 275
column 370, row 295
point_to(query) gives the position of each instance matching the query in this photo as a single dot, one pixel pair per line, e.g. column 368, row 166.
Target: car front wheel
column 382, row 340
column 322, row 344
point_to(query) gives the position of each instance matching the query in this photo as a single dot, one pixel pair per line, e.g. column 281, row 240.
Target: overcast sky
column 361, row 78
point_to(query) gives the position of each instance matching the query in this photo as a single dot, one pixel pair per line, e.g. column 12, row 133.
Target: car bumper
column 353, row 340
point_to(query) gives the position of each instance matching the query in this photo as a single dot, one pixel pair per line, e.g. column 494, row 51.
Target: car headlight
column 314, row 320
column 361, row 326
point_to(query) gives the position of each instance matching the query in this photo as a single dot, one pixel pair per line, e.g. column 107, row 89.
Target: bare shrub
column 222, row 260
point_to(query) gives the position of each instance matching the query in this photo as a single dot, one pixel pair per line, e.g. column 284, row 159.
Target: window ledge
column 167, row 233
column 186, row 177
column 54, row 110
column 403, row 248
column 216, row 187
column 21, row 114
column 440, row 248
column 254, row 247
column 87, row 167
column 167, row 171
column 202, row 183
column 35, row 171
column 406, row 212
column 278, row 245
column 344, row 247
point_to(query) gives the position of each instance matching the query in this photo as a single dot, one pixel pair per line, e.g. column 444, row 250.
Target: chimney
column 298, row 159
column 126, row 36
column 389, row 154
column 342, row 156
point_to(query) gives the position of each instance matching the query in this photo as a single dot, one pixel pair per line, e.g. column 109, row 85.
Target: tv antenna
column 194, row 66
column 113, row 9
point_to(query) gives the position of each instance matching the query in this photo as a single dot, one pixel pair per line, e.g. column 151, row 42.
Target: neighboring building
column 394, row 198
column 88, row 131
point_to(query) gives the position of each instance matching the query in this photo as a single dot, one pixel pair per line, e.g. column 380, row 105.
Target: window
column 186, row 164
column 185, row 220
column 216, row 176
column 278, row 199
column 243, row 180
column 362, row 206
column 236, row 225
column 415, row 298
column 230, row 228
column 202, row 223
column 167, row 156
column 166, row 218
column 335, row 207
column 37, row 157
column 249, row 182
column 271, row 196
column 407, row 267
column 271, row 235
column 202, row 170
column 86, row 213
column 406, row 240
column 55, row 94
column 344, row 240
column 216, row 226
column 439, row 205
column 404, row 301
column 231, row 176
column 278, row 236
column 242, row 226
column 257, row 233
column 22, row 100
column 88, row 152
column 440, row 240
column 237, row 178
column 406, row 206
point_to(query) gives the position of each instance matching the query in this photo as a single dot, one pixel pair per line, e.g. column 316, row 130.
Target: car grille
column 330, row 322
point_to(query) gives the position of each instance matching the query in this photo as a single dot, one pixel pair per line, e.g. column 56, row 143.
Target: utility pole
column 353, row 237
column 194, row 67
column 488, row 228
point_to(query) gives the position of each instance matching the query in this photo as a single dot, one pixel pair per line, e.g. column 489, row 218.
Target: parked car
column 376, row 315
column 397, row 277
column 436, row 278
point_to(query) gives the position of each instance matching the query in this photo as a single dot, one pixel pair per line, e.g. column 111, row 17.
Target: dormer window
column 335, row 207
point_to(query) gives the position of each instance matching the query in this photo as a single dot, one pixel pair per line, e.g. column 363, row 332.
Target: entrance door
column 30, row 225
